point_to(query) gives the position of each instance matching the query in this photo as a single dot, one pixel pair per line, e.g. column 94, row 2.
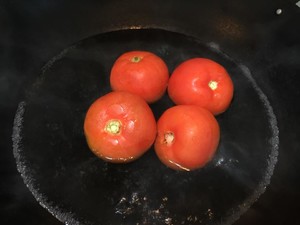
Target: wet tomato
column 142, row 73
column 187, row 137
column 203, row 82
column 119, row 127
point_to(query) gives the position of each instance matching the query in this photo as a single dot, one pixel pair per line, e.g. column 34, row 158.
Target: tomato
column 202, row 82
column 187, row 137
column 119, row 127
column 142, row 73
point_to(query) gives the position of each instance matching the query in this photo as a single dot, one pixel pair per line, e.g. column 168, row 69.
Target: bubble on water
column 214, row 46
column 140, row 204
column 278, row 11
column 168, row 221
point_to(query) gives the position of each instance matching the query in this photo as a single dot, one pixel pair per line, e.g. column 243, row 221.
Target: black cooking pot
column 59, row 58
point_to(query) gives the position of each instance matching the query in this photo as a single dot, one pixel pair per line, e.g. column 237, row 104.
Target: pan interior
column 78, row 188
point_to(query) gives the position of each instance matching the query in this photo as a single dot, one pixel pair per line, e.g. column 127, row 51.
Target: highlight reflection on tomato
column 119, row 127
column 203, row 82
column 187, row 137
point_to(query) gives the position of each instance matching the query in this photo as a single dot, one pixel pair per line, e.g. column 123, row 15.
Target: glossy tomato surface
column 188, row 137
column 203, row 82
column 119, row 127
column 142, row 73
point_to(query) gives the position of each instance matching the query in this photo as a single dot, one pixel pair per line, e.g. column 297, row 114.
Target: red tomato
column 142, row 73
column 201, row 82
column 187, row 137
column 119, row 127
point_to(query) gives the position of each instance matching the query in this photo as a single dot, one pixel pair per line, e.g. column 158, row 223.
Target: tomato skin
column 195, row 137
column 142, row 73
column 137, row 127
column 203, row 82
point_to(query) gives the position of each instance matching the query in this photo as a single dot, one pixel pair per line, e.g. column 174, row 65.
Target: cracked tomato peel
column 142, row 73
column 187, row 137
column 119, row 127
column 202, row 82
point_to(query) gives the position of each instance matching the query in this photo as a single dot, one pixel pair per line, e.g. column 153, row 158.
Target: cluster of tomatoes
column 120, row 126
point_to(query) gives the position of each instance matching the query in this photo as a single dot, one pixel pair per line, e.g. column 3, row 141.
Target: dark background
column 32, row 32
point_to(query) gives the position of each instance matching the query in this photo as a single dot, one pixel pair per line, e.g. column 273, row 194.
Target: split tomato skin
column 202, row 82
column 142, row 73
column 119, row 127
column 187, row 137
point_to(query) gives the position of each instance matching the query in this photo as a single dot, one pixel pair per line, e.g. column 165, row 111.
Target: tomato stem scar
column 213, row 85
column 113, row 126
column 136, row 59
column 169, row 138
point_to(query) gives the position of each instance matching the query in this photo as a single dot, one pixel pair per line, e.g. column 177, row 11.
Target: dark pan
column 78, row 188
